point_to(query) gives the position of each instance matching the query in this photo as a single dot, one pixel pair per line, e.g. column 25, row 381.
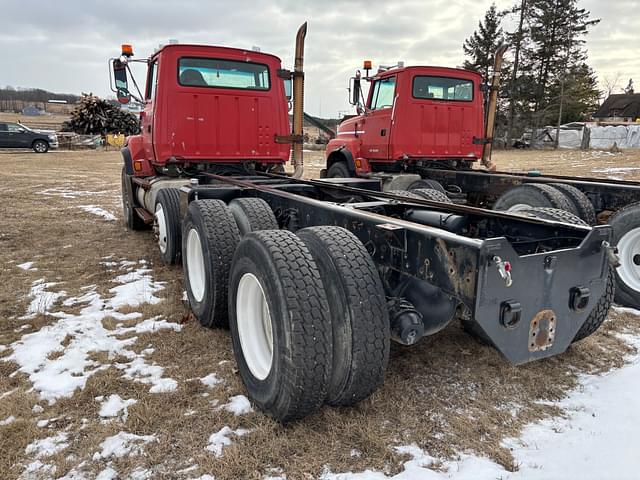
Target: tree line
column 546, row 77
column 34, row 95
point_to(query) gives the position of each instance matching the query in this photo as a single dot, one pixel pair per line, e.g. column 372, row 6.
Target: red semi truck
column 424, row 127
column 315, row 278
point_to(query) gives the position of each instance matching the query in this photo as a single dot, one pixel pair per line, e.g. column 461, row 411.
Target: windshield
column 443, row 88
column 210, row 72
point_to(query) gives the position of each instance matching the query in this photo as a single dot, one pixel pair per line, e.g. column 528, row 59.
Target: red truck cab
column 412, row 113
column 208, row 104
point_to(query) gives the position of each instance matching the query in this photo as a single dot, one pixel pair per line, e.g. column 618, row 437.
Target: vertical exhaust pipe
column 491, row 109
column 298, row 101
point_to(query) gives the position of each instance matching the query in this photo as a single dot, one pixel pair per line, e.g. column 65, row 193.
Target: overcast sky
column 64, row 46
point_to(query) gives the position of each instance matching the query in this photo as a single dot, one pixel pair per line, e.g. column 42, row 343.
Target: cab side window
column 14, row 127
column 152, row 81
column 3, row 127
column 383, row 93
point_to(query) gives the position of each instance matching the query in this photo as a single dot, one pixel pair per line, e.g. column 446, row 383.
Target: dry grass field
column 68, row 341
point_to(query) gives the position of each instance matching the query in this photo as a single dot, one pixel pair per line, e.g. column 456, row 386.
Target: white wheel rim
column 518, row 207
column 254, row 326
column 195, row 265
column 629, row 251
column 40, row 147
column 162, row 228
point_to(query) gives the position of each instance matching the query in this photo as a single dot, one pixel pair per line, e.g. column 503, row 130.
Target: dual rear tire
column 307, row 312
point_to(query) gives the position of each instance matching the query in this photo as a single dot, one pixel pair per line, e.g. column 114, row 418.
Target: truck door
column 5, row 141
column 377, row 123
column 146, row 117
column 10, row 135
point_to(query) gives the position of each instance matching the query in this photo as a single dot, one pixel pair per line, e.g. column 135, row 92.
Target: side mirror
column 354, row 89
column 122, row 83
column 287, row 89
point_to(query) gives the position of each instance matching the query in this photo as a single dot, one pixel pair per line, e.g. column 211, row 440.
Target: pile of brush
column 94, row 116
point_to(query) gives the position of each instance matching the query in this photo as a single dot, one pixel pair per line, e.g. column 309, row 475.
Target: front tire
column 167, row 225
column 359, row 316
column 210, row 237
column 40, row 146
column 338, row 170
column 280, row 324
column 131, row 218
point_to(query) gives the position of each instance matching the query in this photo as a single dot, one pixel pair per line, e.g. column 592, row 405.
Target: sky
column 64, row 46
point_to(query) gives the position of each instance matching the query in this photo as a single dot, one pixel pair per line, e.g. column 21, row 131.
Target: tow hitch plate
column 542, row 331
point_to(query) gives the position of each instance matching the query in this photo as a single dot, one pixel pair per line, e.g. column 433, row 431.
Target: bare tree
column 611, row 83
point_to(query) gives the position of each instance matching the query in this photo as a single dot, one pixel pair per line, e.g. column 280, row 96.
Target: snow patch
column 8, row 420
column 114, row 405
column 238, row 405
column 140, row 371
column 101, row 212
column 211, row 380
column 26, row 266
column 66, row 192
column 42, row 299
column 107, row 474
column 75, row 336
column 46, row 447
column 601, row 424
column 220, row 439
column 121, row 444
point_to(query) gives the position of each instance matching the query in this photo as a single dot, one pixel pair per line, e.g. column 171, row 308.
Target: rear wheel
column 583, row 206
column 167, row 225
column 131, row 218
column 210, row 237
column 626, row 235
column 253, row 214
column 433, row 195
column 533, row 195
column 338, row 170
column 426, row 183
column 357, row 305
column 40, row 146
column 404, row 193
column 599, row 314
column 280, row 324
column 554, row 214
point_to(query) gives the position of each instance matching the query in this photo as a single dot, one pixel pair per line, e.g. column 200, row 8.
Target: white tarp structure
column 569, row 137
column 624, row 136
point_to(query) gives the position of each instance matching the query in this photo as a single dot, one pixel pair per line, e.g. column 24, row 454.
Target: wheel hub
column 629, row 251
column 160, row 228
column 255, row 329
column 195, row 265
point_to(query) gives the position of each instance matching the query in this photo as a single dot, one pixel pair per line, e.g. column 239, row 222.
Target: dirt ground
column 449, row 394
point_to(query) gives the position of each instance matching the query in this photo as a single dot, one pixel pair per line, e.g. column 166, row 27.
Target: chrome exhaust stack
column 492, row 107
column 298, row 102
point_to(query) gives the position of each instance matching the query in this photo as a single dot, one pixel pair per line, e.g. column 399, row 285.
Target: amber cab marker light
column 367, row 64
column 127, row 50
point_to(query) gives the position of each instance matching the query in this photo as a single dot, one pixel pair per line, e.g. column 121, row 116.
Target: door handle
column 383, row 132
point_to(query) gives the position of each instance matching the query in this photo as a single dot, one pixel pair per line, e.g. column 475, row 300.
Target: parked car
column 16, row 135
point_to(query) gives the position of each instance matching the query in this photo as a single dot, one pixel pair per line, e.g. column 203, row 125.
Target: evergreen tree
column 482, row 44
column 558, row 28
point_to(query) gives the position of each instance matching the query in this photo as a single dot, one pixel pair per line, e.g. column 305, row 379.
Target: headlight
column 52, row 137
